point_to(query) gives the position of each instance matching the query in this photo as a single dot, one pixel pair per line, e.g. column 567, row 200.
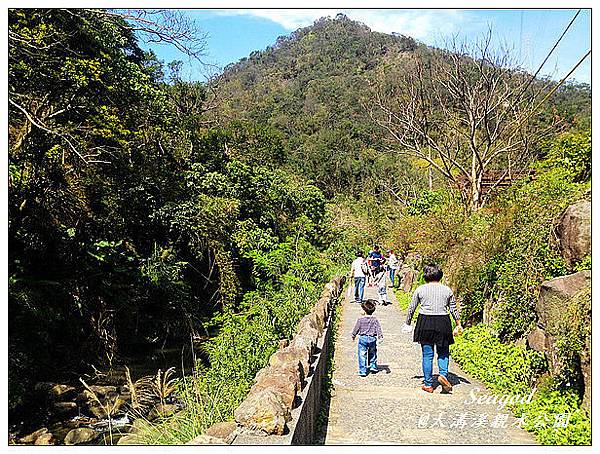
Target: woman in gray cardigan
column 433, row 326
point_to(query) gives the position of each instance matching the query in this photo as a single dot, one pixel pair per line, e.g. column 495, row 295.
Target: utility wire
column 550, row 53
column 551, row 92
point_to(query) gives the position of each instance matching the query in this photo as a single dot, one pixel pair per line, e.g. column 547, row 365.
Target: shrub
column 512, row 369
column 502, row 367
column 573, row 152
column 404, row 299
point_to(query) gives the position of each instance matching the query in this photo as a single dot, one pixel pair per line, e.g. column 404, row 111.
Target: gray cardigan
column 434, row 299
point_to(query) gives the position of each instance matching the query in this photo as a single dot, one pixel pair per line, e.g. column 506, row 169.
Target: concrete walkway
column 390, row 408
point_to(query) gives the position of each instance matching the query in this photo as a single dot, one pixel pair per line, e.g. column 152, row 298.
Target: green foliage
column 502, row 367
column 512, row 369
column 425, row 203
column 571, row 327
column 572, row 151
column 584, row 264
column 310, row 86
column 404, row 299
column 177, row 222
column 245, row 341
column 548, row 405
column 497, row 257
column 528, row 256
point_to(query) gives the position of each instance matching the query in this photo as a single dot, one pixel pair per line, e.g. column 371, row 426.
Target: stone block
column 222, row 430
column 556, row 292
column 263, row 411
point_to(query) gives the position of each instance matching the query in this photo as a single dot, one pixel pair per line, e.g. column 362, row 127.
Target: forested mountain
column 309, row 85
column 316, row 86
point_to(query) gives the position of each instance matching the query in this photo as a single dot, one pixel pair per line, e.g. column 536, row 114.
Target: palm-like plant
column 163, row 385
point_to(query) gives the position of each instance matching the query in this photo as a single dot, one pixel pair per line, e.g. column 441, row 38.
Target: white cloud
column 419, row 24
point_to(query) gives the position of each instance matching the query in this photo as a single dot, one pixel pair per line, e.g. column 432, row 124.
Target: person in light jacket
column 436, row 303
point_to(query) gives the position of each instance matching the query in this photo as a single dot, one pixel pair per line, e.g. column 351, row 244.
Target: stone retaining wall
column 284, row 402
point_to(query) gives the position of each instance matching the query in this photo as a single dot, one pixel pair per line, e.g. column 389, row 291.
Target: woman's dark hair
column 368, row 306
column 432, row 273
column 359, row 254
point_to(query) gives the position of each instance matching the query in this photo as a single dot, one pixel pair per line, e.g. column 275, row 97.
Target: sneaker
column 446, row 386
column 373, row 371
column 428, row 389
column 364, row 375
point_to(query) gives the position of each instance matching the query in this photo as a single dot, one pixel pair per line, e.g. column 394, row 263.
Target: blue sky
column 235, row 33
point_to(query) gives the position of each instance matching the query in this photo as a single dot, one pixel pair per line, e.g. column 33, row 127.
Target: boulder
column 322, row 306
column 284, row 380
column 45, row 439
column 555, row 296
column 408, row 279
column 260, row 373
column 574, row 231
column 283, row 343
column 330, row 289
column 80, row 436
column 293, row 354
column 55, row 391
column 305, row 345
column 29, row 439
column 264, row 411
column 64, row 408
column 129, row 439
column 163, row 410
column 555, row 292
column 99, row 411
column 537, row 340
column 319, row 318
column 540, row 341
column 206, row 440
column 303, row 342
column 311, row 320
column 102, row 391
column 306, row 336
column 222, row 430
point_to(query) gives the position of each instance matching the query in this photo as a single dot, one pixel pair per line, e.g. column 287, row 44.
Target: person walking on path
column 393, row 265
column 380, row 281
column 433, row 326
column 368, row 330
column 358, row 271
column 375, row 260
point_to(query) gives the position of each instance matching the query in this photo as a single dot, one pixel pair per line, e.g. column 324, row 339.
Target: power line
column 551, row 92
column 550, row 53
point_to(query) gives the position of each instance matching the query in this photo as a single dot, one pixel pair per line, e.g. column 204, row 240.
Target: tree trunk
column 430, row 174
column 475, row 185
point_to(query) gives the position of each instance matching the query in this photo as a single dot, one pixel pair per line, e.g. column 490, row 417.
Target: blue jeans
column 392, row 275
column 359, row 289
column 443, row 354
column 367, row 354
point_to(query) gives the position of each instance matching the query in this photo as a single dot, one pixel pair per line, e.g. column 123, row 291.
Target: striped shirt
column 367, row 326
column 433, row 299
